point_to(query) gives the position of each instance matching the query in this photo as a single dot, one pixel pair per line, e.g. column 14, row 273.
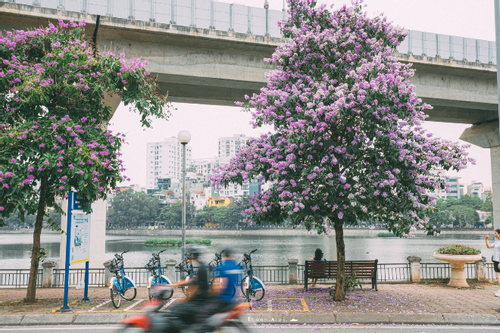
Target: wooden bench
column 364, row 269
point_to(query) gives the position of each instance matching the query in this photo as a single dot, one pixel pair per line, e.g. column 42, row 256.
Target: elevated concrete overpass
column 208, row 66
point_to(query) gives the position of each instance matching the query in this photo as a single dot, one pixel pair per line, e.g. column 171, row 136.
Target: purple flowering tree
column 53, row 121
column 347, row 144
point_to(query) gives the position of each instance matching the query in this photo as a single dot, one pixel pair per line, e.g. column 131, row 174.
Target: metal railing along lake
column 276, row 274
column 18, row 278
column 210, row 14
column 438, row 271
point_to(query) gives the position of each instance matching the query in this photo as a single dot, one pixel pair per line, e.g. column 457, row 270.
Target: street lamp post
column 184, row 138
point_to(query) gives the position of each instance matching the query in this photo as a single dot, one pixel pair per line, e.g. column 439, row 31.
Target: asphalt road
column 274, row 328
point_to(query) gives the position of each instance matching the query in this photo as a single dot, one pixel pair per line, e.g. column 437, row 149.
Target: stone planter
column 457, row 262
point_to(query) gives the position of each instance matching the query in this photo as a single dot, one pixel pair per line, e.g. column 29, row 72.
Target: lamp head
column 184, row 137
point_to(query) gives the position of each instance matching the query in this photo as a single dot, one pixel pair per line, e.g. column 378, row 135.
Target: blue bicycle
column 157, row 279
column 186, row 266
column 252, row 287
column 120, row 286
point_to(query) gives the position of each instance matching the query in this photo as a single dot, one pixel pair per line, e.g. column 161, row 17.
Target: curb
column 371, row 318
column 266, row 318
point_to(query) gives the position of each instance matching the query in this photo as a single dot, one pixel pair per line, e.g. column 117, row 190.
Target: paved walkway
column 400, row 303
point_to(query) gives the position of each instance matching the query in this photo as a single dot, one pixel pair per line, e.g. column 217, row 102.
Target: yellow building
column 219, row 201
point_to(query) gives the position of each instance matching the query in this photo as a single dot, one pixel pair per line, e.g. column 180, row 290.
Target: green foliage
column 488, row 203
column 176, row 241
column 458, row 249
column 225, row 215
column 460, row 213
column 52, row 217
column 172, row 214
column 42, row 254
column 351, row 282
column 386, row 234
column 133, row 207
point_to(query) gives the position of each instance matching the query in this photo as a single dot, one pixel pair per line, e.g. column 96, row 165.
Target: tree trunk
column 31, row 293
column 340, row 281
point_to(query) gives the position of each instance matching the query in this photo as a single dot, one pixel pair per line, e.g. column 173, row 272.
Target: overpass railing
column 210, row 14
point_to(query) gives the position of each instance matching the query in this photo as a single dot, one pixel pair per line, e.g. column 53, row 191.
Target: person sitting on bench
column 318, row 256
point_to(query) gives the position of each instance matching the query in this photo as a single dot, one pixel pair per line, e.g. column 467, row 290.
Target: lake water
column 272, row 250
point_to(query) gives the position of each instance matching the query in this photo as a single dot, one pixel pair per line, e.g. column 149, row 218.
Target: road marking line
column 168, row 304
column 269, row 305
column 130, row 307
column 98, row 306
column 55, row 310
column 305, row 308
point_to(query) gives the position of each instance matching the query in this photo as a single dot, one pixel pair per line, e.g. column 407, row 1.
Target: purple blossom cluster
column 53, row 119
column 348, row 143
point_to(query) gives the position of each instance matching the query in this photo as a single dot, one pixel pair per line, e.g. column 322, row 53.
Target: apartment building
column 164, row 160
column 230, row 146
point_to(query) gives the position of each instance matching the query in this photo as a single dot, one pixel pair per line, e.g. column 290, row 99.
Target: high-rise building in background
column 164, row 160
column 230, row 146
column 454, row 189
column 205, row 166
column 476, row 189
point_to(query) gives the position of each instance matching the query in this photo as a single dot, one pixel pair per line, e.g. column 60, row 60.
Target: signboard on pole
column 80, row 237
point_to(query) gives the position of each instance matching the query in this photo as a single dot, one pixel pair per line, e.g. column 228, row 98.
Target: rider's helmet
column 228, row 252
column 196, row 251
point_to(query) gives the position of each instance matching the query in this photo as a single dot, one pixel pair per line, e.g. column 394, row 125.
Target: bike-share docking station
column 77, row 244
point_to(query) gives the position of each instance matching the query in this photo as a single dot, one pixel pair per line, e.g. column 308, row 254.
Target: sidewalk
column 393, row 303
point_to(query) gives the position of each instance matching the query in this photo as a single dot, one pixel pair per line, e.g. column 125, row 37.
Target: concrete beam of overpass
column 204, row 66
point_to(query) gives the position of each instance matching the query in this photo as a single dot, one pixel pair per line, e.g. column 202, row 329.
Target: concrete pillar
column 487, row 135
column 293, row 276
column 107, row 274
column 414, row 262
column 495, row 179
column 48, row 273
column 481, row 270
column 170, row 269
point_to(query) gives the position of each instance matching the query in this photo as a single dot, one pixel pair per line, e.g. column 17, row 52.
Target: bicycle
column 120, row 286
column 157, row 279
column 212, row 265
column 252, row 287
column 186, row 266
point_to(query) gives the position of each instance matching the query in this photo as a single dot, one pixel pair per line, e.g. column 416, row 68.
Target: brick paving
column 434, row 298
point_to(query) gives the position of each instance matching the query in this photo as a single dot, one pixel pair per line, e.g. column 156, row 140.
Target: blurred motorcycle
column 155, row 321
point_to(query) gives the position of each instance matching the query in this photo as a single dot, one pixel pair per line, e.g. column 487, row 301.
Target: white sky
column 465, row 18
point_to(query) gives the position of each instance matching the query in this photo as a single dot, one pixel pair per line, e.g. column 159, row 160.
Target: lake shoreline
column 256, row 232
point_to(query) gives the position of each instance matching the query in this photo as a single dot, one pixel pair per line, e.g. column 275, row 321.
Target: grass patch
column 176, row 241
column 386, row 234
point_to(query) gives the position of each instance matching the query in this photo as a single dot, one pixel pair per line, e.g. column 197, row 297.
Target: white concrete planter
column 457, row 262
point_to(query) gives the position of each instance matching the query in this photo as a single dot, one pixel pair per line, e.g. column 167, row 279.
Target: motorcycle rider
column 224, row 284
column 197, row 295
column 227, row 277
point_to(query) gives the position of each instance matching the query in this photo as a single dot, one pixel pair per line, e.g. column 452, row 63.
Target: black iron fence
column 275, row 274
